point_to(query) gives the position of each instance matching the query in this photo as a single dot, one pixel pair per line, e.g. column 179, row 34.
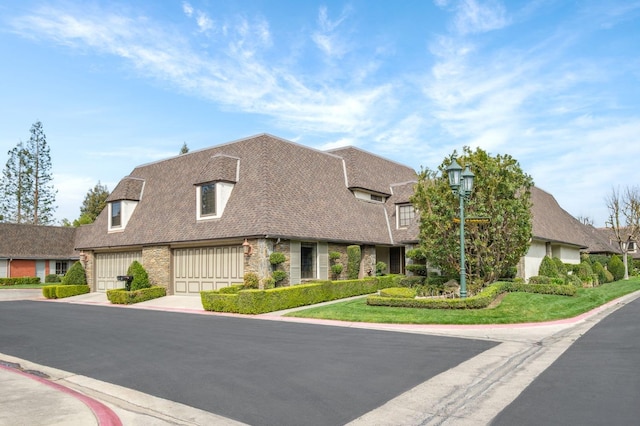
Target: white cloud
column 326, row 38
column 475, row 16
column 187, row 9
column 204, row 22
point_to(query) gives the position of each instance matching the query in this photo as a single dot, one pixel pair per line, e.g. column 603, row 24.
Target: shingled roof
column 552, row 223
column 19, row 241
column 283, row 190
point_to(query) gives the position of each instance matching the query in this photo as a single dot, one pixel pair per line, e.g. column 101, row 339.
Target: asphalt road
column 257, row 372
column 595, row 382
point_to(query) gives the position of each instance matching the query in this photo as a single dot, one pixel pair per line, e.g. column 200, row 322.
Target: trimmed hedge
column 19, row 281
column 65, row 290
column 478, row 301
column 75, row 275
column 276, row 299
column 397, row 292
column 120, row 296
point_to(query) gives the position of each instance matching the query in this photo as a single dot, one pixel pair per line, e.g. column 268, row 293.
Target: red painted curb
column 104, row 415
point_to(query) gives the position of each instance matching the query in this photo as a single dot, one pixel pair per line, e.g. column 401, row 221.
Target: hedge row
column 121, row 296
column 62, row 291
column 19, row 281
column 276, row 299
column 478, row 301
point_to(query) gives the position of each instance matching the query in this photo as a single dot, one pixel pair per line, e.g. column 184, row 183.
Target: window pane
column 208, row 199
column 308, row 261
column 61, row 268
column 116, row 216
column 405, row 215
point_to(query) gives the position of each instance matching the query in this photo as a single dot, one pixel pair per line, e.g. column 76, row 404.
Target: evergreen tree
column 43, row 196
column 16, row 187
column 28, row 195
column 184, row 148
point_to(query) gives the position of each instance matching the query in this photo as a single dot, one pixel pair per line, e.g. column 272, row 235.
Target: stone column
column 157, row 262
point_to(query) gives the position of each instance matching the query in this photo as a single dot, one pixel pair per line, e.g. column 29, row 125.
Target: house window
column 208, row 199
column 376, row 198
column 116, row 214
column 406, row 213
column 61, row 268
column 631, row 246
column 307, row 261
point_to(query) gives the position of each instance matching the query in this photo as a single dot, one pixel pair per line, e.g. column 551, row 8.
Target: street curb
column 103, row 414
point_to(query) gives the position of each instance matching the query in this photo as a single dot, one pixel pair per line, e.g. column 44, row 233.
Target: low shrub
column 414, row 281
column 52, row 278
column 121, row 296
column 417, row 268
column 49, row 291
column 276, row 299
column 539, row 279
column 75, row 275
column 398, row 292
column 479, row 301
column 279, row 276
column 64, row 290
column 337, row 269
column 268, row 283
column 19, row 281
column 251, row 280
column 381, row 268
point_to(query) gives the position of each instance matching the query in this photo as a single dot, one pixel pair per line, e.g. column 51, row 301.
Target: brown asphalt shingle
column 18, row 241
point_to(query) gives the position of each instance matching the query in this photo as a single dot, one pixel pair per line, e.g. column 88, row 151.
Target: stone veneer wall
column 88, row 263
column 157, row 262
column 368, row 262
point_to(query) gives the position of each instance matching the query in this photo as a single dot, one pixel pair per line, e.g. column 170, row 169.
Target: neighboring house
column 557, row 234
column 632, row 244
column 201, row 220
column 35, row 250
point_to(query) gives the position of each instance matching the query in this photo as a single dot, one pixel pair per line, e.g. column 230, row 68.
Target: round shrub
column 279, row 276
column 277, row 258
column 598, row 269
column 416, row 255
column 337, row 269
column 75, row 275
column 417, row 269
column 334, row 255
column 251, row 280
column 584, row 271
column 268, row 283
column 616, row 267
column 381, row 268
column 560, row 266
column 548, row 268
column 140, row 276
column 574, row 280
column 52, row 278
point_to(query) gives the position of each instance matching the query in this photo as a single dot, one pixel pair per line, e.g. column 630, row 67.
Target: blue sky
column 116, row 84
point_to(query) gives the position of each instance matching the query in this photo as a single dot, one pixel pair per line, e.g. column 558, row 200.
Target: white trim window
column 406, row 215
column 211, row 199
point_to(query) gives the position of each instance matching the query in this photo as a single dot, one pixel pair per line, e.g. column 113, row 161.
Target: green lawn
column 25, row 286
column 514, row 308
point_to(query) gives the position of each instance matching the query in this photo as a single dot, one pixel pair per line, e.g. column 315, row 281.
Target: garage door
column 207, row 268
column 110, row 265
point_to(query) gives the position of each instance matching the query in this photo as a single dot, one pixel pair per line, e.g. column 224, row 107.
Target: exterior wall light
column 248, row 250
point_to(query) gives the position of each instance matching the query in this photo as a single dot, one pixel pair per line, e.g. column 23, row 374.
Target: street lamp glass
column 467, row 180
column 453, row 172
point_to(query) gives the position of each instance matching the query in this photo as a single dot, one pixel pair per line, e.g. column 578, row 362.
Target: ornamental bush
column 353, row 262
column 278, row 276
column 251, row 280
column 584, row 271
column 75, row 275
column 381, row 268
column 616, row 267
column 52, row 278
column 140, row 276
column 562, row 268
column 548, row 268
column 277, row 258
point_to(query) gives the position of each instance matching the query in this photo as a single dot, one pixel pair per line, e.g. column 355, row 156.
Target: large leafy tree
column 28, row 192
column 94, row 202
column 498, row 213
column 624, row 219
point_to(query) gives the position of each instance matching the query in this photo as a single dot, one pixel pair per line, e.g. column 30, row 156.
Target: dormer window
column 116, row 214
column 211, row 199
column 208, row 199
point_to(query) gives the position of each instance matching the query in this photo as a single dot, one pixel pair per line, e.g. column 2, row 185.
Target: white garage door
column 207, row 268
column 110, row 265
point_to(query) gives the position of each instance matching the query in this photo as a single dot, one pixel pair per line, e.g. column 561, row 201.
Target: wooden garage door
column 207, row 268
column 110, row 265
